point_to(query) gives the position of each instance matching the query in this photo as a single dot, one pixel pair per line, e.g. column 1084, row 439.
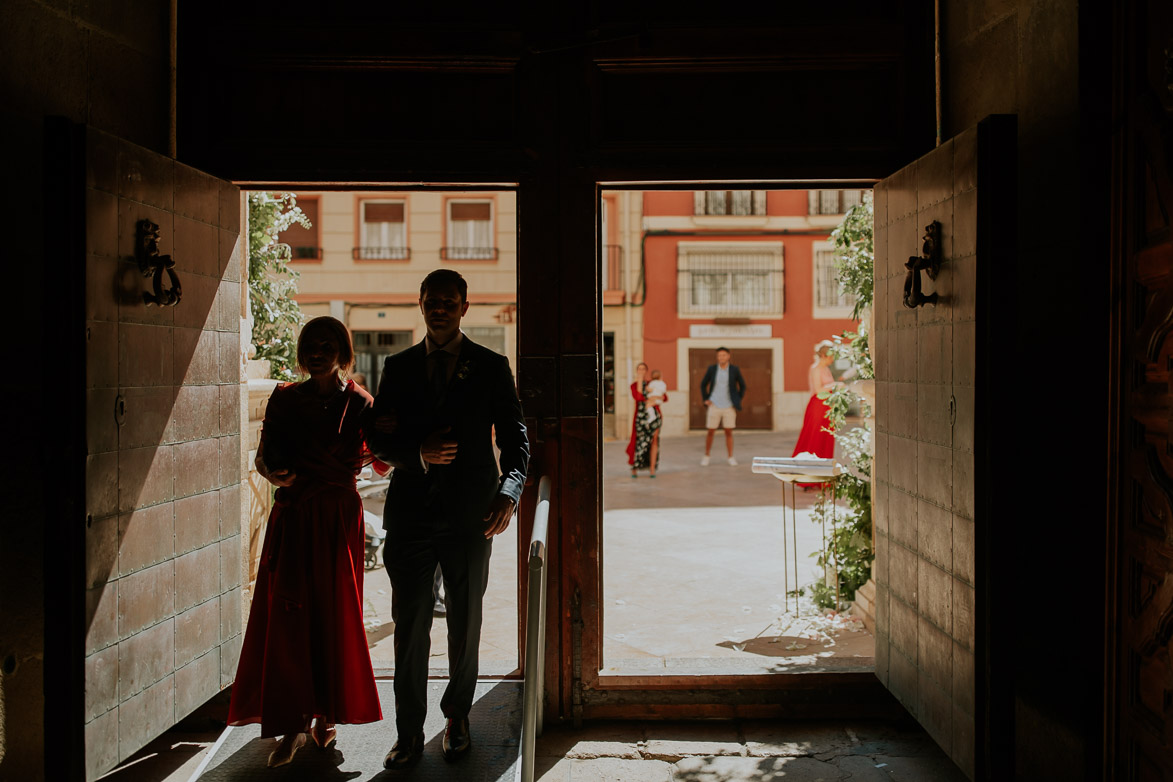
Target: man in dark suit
column 722, row 389
column 446, row 501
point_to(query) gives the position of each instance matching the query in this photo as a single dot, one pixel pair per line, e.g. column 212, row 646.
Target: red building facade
column 749, row 270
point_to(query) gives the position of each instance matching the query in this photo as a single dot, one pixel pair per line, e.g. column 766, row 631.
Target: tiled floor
column 747, row 750
column 359, row 751
column 709, row 751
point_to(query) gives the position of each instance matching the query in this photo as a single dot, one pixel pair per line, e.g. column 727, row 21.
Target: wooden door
column 1142, row 715
column 930, row 636
column 163, row 542
column 756, row 365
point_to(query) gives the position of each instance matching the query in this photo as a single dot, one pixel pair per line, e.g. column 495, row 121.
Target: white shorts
column 721, row 418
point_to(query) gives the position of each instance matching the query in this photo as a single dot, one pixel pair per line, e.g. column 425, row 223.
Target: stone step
column 868, row 590
column 864, row 605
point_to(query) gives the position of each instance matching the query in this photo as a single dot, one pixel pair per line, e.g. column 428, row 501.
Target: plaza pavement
column 693, row 575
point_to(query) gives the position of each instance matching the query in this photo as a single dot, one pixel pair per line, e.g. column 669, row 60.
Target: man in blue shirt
column 722, row 389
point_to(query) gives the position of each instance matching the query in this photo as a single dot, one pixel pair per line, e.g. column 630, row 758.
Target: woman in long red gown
column 814, row 437
column 305, row 654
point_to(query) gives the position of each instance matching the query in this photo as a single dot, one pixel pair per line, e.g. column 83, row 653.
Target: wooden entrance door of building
column 756, row 365
column 1139, row 704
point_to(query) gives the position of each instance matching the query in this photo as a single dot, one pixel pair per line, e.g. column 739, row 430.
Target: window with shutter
column 303, row 242
column 729, row 279
column 729, row 202
column 470, row 231
column 492, row 337
column 834, row 202
column 829, row 299
column 383, row 233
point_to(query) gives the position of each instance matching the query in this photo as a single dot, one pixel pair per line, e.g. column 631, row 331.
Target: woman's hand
column 282, row 478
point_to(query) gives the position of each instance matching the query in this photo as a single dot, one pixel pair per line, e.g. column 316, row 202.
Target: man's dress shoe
column 456, row 738
column 406, row 753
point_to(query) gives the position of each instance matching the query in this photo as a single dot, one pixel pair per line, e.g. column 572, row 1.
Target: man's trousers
column 411, row 565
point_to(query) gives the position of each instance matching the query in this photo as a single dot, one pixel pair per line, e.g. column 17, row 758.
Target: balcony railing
column 381, row 253
column 468, row 253
column 305, row 253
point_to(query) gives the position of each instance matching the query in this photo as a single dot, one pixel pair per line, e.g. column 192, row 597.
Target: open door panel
column 930, row 569
column 163, row 543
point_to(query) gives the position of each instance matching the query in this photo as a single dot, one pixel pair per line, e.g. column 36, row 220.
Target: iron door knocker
column 929, row 261
column 151, row 264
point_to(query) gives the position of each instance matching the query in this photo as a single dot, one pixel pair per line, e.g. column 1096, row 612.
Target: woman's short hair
column 331, row 328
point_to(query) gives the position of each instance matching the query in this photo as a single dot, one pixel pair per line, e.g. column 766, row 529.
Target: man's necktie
column 439, row 375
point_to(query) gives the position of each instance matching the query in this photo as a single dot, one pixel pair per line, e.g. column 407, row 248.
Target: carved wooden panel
column 1144, row 610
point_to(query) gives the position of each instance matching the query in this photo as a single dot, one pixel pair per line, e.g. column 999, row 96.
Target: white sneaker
column 732, row 462
column 705, row 461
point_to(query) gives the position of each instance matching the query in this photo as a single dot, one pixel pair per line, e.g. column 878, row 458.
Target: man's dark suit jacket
column 736, row 384
column 480, row 396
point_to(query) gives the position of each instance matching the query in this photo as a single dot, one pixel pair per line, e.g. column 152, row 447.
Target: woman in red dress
column 814, row 437
column 305, row 654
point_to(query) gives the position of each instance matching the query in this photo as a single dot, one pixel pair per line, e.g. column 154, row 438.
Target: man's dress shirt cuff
column 511, row 488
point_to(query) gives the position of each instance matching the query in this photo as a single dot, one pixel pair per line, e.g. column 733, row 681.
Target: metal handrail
column 535, row 634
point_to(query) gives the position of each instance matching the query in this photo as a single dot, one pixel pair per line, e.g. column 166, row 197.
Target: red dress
column 814, row 438
column 305, row 650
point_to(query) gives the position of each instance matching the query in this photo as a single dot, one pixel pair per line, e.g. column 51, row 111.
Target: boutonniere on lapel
column 462, row 369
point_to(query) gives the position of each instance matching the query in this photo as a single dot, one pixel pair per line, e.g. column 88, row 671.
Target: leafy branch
column 271, row 282
column 855, row 254
column 849, row 552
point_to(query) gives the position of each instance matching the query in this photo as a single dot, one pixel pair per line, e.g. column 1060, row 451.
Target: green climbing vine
column 848, row 552
column 271, row 282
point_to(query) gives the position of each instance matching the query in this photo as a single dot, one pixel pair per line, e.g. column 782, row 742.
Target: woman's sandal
column 634, row 473
column 324, row 735
column 286, row 749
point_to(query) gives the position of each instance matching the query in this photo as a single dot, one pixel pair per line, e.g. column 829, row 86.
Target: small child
column 657, row 389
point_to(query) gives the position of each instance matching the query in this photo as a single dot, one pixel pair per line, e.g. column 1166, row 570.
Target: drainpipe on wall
column 172, row 68
column 937, row 63
column 629, row 323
